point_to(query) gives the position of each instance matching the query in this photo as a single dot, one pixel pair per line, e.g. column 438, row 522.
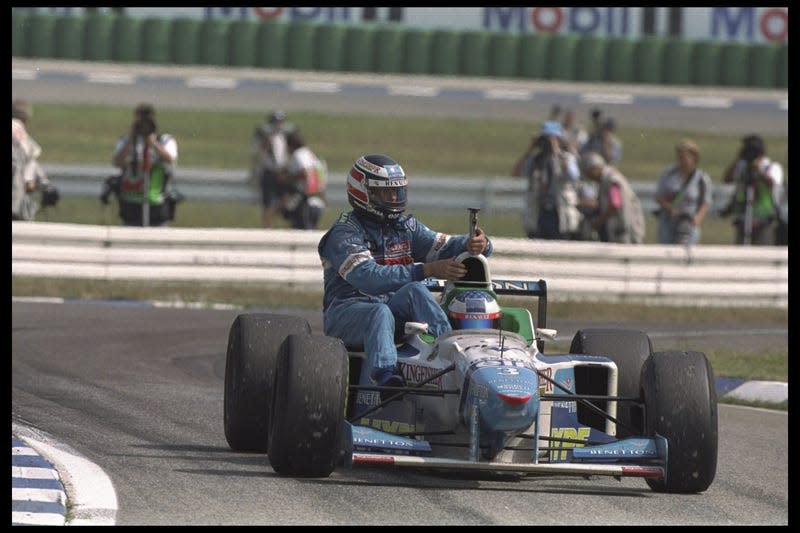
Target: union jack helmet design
column 376, row 187
column 474, row 309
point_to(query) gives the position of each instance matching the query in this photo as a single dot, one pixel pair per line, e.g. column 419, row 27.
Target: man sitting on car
column 375, row 258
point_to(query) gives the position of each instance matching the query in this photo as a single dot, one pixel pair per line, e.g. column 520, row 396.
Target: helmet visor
column 388, row 194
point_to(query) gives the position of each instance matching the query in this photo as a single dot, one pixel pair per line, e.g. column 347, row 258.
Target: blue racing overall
column 372, row 280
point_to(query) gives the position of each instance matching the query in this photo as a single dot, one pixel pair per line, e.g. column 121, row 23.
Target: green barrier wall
column 19, row 26
column 561, row 57
column 126, row 39
column 329, row 47
column 214, row 42
column 619, row 60
column 242, row 43
column 358, row 48
column 533, row 51
column 503, row 54
column 184, row 41
column 474, row 53
column 69, row 38
column 155, row 40
column 763, row 62
column 300, row 45
column 385, row 48
column 444, row 52
column 647, row 60
column 388, row 49
column 733, row 64
column 783, row 66
column 98, row 38
column 39, row 38
column 706, row 63
column 417, row 51
column 590, row 58
column 677, row 62
column 271, row 44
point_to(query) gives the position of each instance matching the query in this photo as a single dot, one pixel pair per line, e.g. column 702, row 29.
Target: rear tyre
column 253, row 343
column 629, row 349
column 308, row 406
column 680, row 398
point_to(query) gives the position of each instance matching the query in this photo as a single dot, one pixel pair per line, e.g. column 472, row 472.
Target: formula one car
column 485, row 399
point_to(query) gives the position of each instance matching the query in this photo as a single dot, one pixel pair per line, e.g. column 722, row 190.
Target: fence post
column 271, row 44
column 503, row 55
column 444, row 52
column 474, row 53
column 533, row 52
column 69, row 37
column 417, row 51
column 389, row 49
column 155, row 40
column 184, row 41
column 329, row 47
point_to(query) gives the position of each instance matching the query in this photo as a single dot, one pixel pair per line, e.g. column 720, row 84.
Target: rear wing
column 511, row 288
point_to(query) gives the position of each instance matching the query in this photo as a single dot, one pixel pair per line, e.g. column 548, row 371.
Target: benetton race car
column 476, row 399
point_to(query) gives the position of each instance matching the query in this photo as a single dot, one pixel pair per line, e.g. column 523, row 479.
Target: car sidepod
column 628, row 349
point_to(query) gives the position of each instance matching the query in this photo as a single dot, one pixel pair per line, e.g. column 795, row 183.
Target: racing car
column 487, row 399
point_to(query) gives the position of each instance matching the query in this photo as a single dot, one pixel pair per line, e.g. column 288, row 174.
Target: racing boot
column 388, row 377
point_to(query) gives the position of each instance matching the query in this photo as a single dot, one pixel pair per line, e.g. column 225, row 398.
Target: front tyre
column 253, row 343
column 308, row 407
column 680, row 399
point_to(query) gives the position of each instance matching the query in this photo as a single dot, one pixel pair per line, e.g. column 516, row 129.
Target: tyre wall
column 381, row 48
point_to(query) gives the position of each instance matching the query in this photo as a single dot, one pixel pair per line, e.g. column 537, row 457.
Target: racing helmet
column 474, row 309
column 376, row 187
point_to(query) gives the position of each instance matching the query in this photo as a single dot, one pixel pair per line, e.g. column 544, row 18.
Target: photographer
column 147, row 161
column 551, row 210
column 758, row 186
column 603, row 139
column 27, row 176
column 684, row 196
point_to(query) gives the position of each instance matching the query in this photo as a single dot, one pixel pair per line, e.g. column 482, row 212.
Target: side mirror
column 546, row 333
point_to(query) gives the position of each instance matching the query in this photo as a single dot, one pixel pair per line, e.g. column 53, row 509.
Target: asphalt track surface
column 261, row 90
column 137, row 391
column 133, row 394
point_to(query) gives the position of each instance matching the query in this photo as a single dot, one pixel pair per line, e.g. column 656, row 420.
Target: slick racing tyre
column 253, row 344
column 308, row 406
column 629, row 349
column 680, row 399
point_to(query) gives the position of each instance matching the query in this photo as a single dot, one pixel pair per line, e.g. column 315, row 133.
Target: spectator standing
column 27, row 175
column 304, row 180
column 269, row 159
column 684, row 196
column 619, row 215
column 757, row 195
column 147, row 161
column 574, row 132
column 603, row 139
column 551, row 208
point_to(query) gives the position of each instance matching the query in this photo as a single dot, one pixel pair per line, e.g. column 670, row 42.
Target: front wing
column 632, row 457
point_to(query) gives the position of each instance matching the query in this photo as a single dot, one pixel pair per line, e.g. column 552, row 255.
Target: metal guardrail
column 710, row 275
column 442, row 192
